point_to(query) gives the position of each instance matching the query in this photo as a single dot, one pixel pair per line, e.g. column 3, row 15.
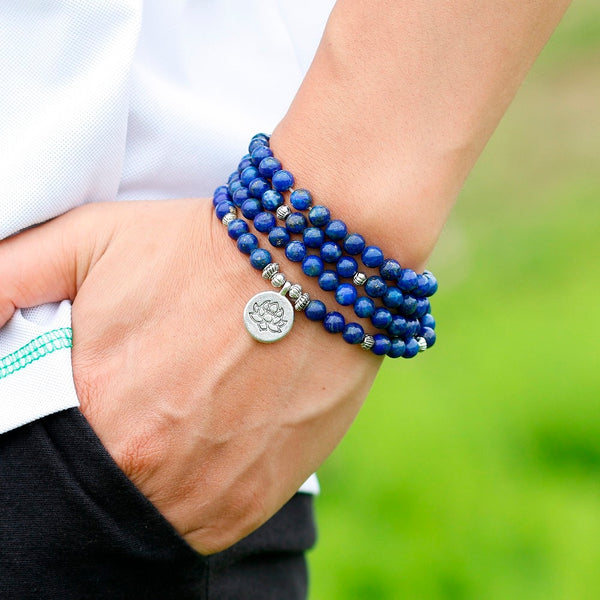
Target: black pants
column 73, row 527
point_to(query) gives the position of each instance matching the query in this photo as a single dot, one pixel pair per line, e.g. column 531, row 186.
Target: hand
column 217, row 430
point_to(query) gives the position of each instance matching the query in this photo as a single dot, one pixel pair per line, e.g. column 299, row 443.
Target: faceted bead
column 346, row 266
column 251, row 207
column 295, row 251
column 312, row 265
column 334, row 322
column 259, row 153
column 429, row 336
column 269, row 166
column 409, row 305
column 223, row 208
column 408, row 280
column 258, row 187
column 271, row 200
column 248, row 174
column 264, row 222
column 296, row 223
column 316, row 310
column 345, row 294
column 336, row 230
column 411, row 349
column 330, row 252
column 247, row 242
column 375, row 287
column 398, row 326
column 282, row 180
column 313, row 237
column 353, row 333
column 381, row 318
column 319, row 216
column 397, row 348
column 390, row 269
column 328, row 281
column 236, row 228
column 364, row 307
column 260, row 258
column 240, row 196
column 354, row 244
column 372, row 256
column 279, row 237
column 393, row 298
column 300, row 199
column 427, row 321
column 245, row 162
column 382, row 344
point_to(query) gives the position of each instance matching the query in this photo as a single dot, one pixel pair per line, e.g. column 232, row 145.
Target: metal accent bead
column 359, row 278
column 233, row 210
column 278, row 280
column 302, row 302
column 422, row 344
column 286, row 288
column 270, row 270
column 368, row 342
column 295, row 291
column 227, row 219
column 283, row 212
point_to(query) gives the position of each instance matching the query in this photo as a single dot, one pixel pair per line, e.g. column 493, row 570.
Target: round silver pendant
column 268, row 316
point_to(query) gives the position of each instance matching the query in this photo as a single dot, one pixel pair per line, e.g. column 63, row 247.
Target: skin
column 215, row 429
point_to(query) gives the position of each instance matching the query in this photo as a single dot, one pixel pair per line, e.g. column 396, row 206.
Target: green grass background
column 473, row 471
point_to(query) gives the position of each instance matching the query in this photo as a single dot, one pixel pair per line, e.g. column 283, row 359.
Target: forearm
column 398, row 104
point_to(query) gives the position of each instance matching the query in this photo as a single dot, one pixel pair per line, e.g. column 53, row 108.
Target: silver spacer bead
column 286, row 288
column 278, row 280
column 359, row 278
column 302, row 302
column 422, row 344
column 368, row 342
column 283, row 212
column 270, row 270
column 295, row 291
column 227, row 219
column 233, row 210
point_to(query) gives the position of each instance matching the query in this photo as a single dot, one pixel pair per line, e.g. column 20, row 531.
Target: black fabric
column 73, row 527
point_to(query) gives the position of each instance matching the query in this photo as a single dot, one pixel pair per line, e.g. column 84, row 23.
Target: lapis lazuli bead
column 398, row 327
column 245, row 162
column 345, row 294
column 264, row 221
column 408, row 280
column 354, row 244
column 315, row 310
column 390, row 269
column 271, row 199
column 422, row 286
column 296, row 223
column 382, row 344
column 375, row 287
column 364, row 307
column 269, row 166
column 221, row 197
column 259, row 153
column 235, row 176
column 427, row 321
column 258, row 187
column 429, row 335
column 397, row 348
column 372, row 256
column 222, row 189
column 279, row 237
column 411, row 349
column 260, row 258
column 257, row 142
column 223, row 208
column 240, row 196
column 313, row 237
column 261, row 136
column 353, row 333
column 282, row 180
column 319, row 216
column 248, row 174
column 409, row 305
column 295, row 251
column 346, row 266
column 251, row 207
column 334, row 322
column 312, row 265
column 235, row 185
column 300, row 199
column 423, row 307
column 330, row 252
column 336, row 230
column 381, row 318
column 236, row 228
column 412, row 327
column 247, row 242
column 328, row 281
column 433, row 284
column 393, row 298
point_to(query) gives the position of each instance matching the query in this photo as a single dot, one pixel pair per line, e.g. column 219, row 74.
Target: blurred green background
column 473, row 472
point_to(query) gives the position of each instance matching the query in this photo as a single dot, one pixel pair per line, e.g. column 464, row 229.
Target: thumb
column 47, row 263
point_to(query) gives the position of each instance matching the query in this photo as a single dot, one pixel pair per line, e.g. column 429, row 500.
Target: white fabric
column 125, row 99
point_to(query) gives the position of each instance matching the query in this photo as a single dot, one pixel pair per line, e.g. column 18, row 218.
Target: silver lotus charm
column 268, row 316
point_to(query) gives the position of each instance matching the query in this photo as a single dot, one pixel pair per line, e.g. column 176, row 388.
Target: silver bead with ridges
column 286, row 288
column 302, row 302
column 278, row 280
column 422, row 344
column 270, row 270
column 359, row 278
column 227, row 219
column 295, row 291
column 368, row 342
column 283, row 212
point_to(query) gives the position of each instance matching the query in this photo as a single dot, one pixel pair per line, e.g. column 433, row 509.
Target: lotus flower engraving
column 268, row 315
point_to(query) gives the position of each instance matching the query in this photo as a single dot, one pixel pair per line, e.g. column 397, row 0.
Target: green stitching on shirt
column 45, row 344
